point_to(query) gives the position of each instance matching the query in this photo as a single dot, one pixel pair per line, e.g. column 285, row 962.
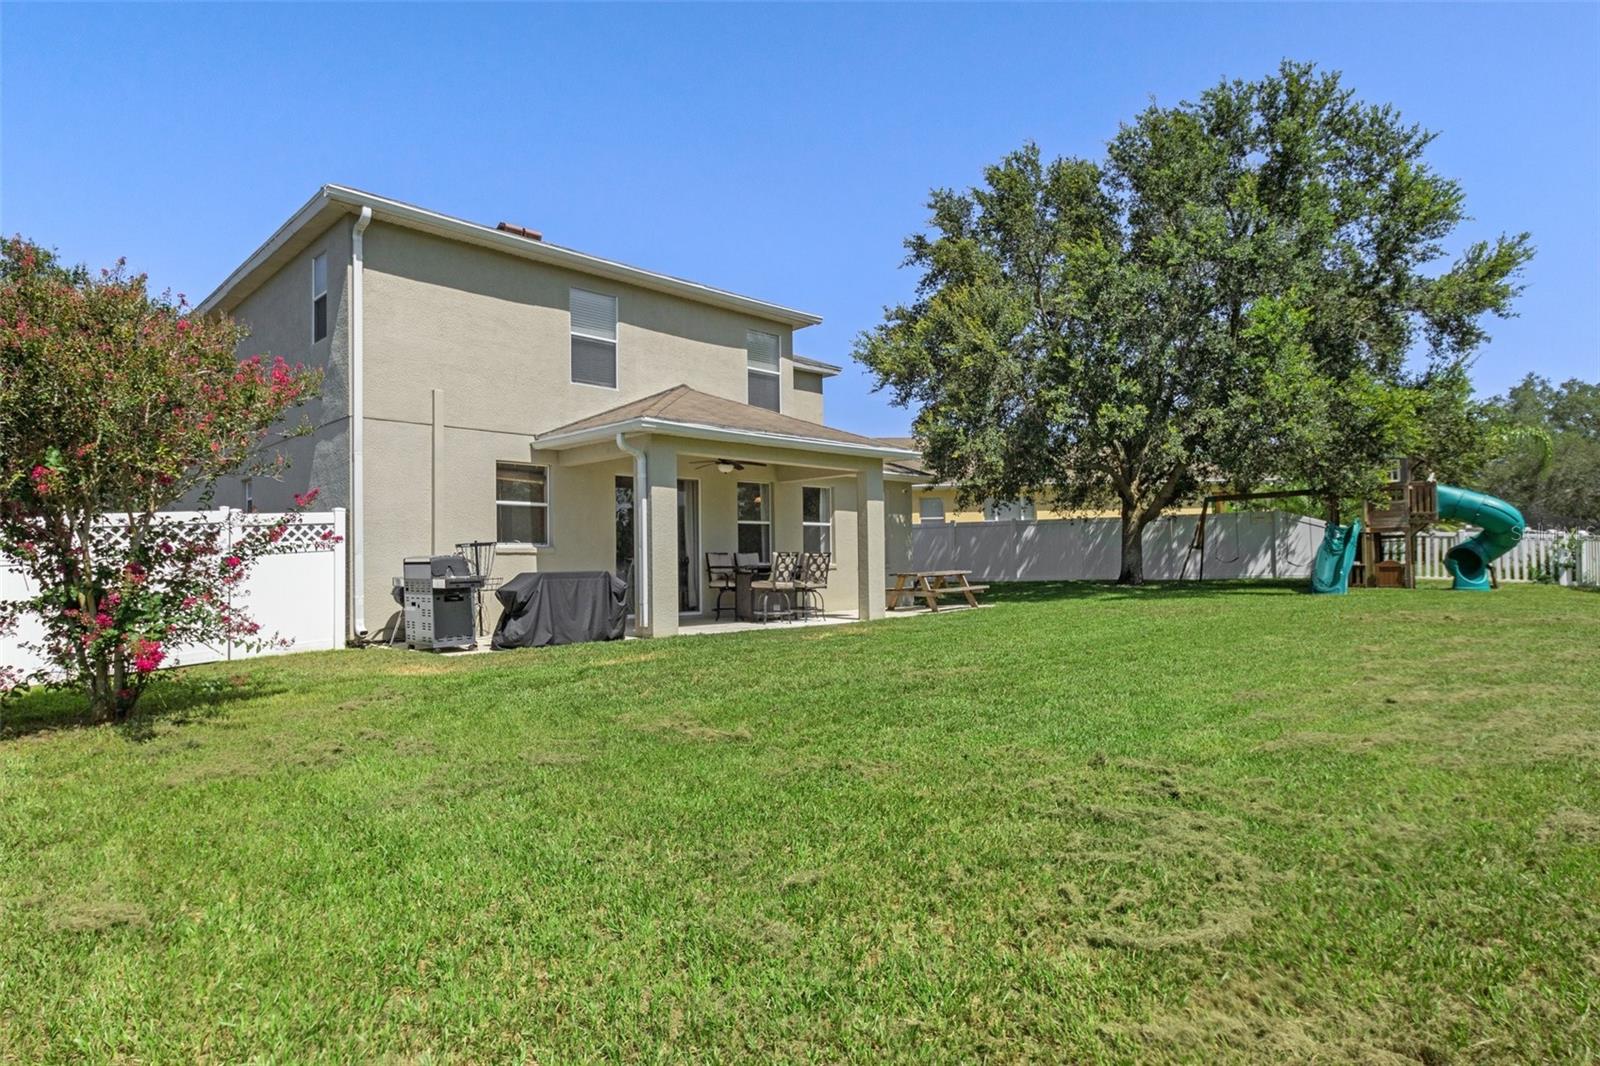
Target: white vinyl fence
column 1537, row 553
column 296, row 594
column 1239, row 544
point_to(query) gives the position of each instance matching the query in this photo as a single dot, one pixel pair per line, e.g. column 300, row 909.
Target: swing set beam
column 1230, row 497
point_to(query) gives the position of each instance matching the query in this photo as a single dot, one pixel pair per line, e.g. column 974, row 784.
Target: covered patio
column 676, row 475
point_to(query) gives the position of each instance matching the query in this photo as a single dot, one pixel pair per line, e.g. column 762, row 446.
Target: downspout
column 641, row 534
column 357, row 431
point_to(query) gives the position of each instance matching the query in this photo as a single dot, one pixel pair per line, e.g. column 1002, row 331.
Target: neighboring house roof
column 682, row 411
column 332, row 201
column 905, row 470
column 817, row 366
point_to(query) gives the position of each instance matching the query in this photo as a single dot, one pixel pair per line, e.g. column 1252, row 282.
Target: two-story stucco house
column 484, row 384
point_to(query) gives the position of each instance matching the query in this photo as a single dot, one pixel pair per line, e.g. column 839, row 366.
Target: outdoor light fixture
column 724, row 467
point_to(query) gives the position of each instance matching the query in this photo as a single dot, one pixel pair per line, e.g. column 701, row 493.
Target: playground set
column 1379, row 549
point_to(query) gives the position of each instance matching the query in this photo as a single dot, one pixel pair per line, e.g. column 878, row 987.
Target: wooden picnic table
column 929, row 585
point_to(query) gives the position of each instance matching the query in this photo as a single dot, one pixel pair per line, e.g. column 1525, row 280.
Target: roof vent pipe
column 520, row 231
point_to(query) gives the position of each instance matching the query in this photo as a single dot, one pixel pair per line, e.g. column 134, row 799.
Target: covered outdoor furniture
column 720, row 578
column 929, row 585
column 546, row 608
column 777, row 585
column 809, row 580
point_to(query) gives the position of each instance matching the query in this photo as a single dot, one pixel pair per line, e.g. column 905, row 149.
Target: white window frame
column 614, row 340
column 775, row 372
column 327, row 326
column 766, row 509
column 826, row 524
column 499, row 503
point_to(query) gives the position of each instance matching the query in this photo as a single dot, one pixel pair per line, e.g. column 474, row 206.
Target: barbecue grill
column 441, row 602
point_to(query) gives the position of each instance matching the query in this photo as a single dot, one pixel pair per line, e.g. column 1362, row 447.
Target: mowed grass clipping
column 1086, row 824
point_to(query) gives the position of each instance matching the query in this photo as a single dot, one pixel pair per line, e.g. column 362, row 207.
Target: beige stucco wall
column 804, row 398
column 495, row 328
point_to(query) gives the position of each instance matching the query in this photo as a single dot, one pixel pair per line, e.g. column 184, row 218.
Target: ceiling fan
column 726, row 466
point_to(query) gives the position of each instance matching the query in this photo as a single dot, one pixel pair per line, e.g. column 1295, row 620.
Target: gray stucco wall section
column 278, row 315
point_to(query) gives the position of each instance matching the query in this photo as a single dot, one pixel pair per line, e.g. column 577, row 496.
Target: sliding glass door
column 688, row 540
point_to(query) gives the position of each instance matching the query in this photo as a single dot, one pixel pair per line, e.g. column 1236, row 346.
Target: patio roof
column 685, row 412
column 816, row 366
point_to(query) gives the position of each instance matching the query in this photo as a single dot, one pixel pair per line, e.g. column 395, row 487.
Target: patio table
column 929, row 585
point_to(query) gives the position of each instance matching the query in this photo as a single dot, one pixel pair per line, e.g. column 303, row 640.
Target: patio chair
column 720, row 577
column 809, row 581
column 780, row 583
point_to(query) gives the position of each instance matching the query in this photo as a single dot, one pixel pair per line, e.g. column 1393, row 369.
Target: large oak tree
column 1240, row 281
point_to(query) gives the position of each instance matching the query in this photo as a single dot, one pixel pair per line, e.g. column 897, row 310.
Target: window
column 761, row 356
column 522, row 503
column 249, row 495
column 594, row 338
column 755, row 519
column 931, row 509
column 319, row 297
column 1008, row 511
column 816, row 519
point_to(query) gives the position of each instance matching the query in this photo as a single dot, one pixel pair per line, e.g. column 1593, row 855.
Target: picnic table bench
column 929, row 585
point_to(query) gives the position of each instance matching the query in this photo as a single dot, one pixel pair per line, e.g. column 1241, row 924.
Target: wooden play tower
column 1388, row 552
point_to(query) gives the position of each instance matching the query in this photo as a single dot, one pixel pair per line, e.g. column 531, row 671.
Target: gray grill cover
column 555, row 608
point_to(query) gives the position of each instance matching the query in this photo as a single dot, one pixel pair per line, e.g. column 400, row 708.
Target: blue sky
column 783, row 152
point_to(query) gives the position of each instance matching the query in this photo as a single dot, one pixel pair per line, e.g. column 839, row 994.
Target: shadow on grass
column 1049, row 591
column 176, row 701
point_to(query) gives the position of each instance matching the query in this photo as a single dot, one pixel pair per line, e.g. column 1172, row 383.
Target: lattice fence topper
column 314, row 532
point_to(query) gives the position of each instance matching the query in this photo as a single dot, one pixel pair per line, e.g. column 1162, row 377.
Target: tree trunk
column 1133, row 523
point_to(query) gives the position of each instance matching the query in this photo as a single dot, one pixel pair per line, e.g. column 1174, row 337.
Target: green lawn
column 1085, row 824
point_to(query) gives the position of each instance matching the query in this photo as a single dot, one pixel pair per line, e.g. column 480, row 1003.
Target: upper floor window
column 816, row 518
column 319, row 297
column 522, row 503
column 594, row 338
column 761, row 352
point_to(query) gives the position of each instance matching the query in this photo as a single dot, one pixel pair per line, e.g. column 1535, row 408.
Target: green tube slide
column 1502, row 525
column 1330, row 574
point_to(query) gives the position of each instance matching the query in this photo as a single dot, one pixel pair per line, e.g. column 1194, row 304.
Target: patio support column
column 662, row 460
column 870, row 568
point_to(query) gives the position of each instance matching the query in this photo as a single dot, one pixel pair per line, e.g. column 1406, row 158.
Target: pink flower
column 147, row 655
column 233, row 562
column 183, row 325
column 305, row 499
column 189, row 601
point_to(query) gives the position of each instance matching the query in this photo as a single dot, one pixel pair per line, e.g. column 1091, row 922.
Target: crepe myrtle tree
column 115, row 403
column 1129, row 329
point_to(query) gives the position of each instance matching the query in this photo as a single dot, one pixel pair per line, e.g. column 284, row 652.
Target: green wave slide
column 1330, row 573
column 1501, row 528
column 1501, row 525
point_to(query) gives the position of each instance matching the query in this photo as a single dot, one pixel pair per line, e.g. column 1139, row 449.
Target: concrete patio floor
column 706, row 625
